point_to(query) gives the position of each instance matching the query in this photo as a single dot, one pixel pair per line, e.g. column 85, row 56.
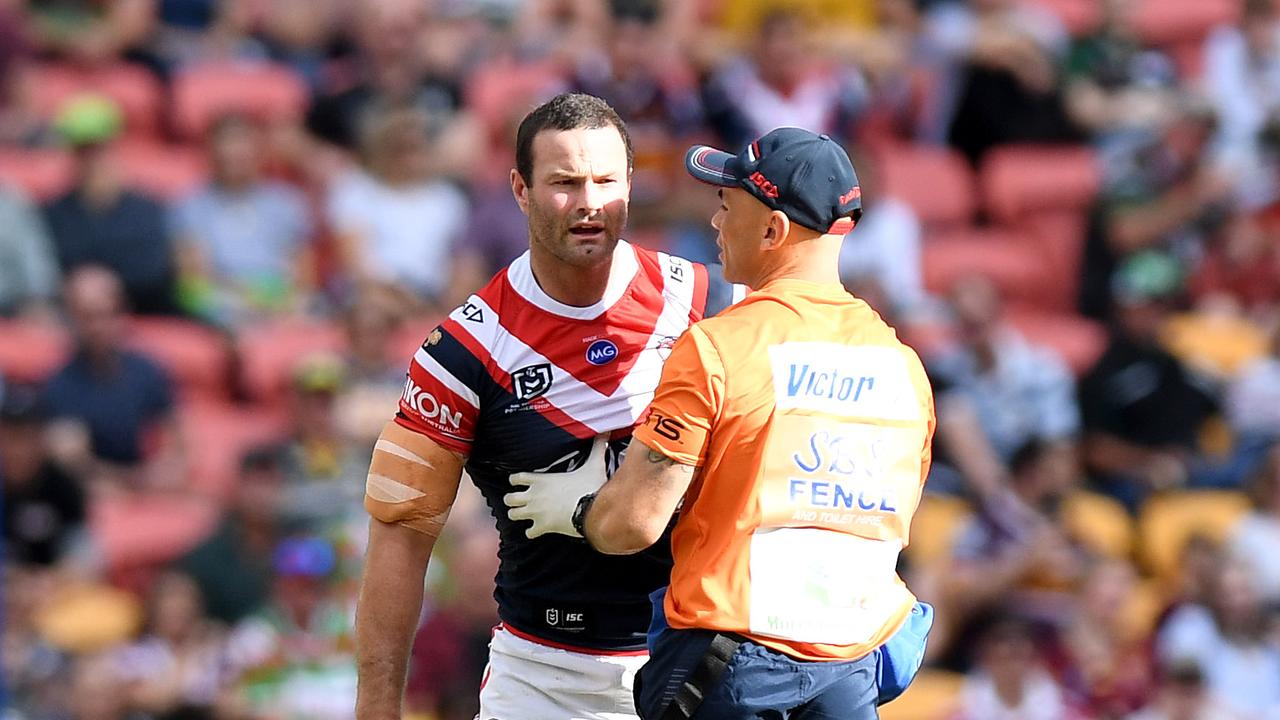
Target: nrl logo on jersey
column 531, row 381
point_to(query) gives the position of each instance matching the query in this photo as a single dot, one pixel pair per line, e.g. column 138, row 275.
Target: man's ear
column 775, row 231
column 520, row 190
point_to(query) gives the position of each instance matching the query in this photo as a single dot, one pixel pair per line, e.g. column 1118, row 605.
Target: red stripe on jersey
column 571, row 648
column 555, row 415
column 698, row 308
column 436, row 411
column 628, row 325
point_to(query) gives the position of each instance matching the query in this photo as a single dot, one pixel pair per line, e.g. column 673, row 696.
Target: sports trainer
column 565, row 344
column 797, row 429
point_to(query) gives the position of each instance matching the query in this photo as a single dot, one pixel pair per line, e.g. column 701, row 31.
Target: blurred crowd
column 226, row 224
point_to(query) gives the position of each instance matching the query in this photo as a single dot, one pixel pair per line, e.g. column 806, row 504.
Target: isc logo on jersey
column 429, row 407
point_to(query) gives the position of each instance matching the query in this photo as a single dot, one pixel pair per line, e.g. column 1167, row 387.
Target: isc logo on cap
column 602, row 352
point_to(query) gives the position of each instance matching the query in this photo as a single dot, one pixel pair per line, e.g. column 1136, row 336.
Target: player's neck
column 814, row 261
column 570, row 284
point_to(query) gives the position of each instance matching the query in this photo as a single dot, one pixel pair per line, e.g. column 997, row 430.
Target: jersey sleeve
column 687, row 401
column 720, row 293
column 441, row 397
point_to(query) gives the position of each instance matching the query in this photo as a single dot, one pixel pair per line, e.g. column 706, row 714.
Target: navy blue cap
column 807, row 176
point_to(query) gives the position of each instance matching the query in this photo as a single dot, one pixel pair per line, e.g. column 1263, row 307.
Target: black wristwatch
column 579, row 519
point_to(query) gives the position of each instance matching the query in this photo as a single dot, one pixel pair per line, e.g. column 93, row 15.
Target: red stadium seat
column 1166, row 22
column 217, row 437
column 1060, row 236
column 41, row 174
column 1023, row 179
column 141, row 530
column 1079, row 341
column 497, row 89
column 196, row 356
column 1079, row 17
column 269, row 352
column 1011, row 261
column 31, row 352
column 167, row 171
column 271, row 93
column 136, row 90
column 936, row 182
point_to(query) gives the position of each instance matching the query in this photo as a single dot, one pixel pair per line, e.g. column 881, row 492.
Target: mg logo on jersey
column 531, row 381
column 602, row 352
column 428, row 407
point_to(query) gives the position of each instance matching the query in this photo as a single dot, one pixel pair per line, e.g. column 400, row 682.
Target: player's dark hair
column 566, row 111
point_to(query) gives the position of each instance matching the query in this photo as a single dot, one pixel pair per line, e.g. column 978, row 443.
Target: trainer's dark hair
column 566, row 111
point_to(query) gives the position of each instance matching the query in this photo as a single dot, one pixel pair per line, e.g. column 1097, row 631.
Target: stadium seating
column 145, row 530
column 268, row 92
column 1167, row 522
column 1012, row 262
column 1021, row 180
column 1168, row 22
column 196, row 356
column 136, row 90
column 1077, row 340
column 936, row 182
column 30, row 352
column 40, row 174
column 934, row 527
column 269, row 351
column 934, row 695
column 169, row 172
column 1100, row 523
column 218, row 435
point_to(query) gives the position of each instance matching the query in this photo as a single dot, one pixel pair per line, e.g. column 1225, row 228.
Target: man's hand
column 550, row 499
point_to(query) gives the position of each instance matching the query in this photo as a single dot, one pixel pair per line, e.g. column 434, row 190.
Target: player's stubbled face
column 577, row 204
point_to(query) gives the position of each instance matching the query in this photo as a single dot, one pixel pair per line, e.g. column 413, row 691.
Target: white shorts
column 526, row 680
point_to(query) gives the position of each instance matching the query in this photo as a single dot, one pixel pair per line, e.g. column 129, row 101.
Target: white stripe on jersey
column 621, row 273
column 441, row 373
column 677, row 292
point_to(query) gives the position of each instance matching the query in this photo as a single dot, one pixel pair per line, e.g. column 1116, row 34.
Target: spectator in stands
column 1254, row 539
column 242, row 241
column 1242, row 267
column 113, row 408
column 393, row 73
column 181, row 657
column 450, row 649
column 232, row 566
column 103, row 221
column 1253, row 398
column 1000, row 63
column 1115, row 85
column 91, row 32
column 1106, row 656
column 396, row 222
column 28, row 266
column 1019, row 392
column 293, row 658
column 192, row 32
column 1242, row 79
column 374, row 380
column 884, row 250
column 652, row 88
column 1225, row 638
column 1141, row 408
column 1182, row 695
column 44, row 506
column 323, row 466
column 1163, row 193
column 1017, row 555
column 783, row 83
column 300, row 34
column 20, row 122
column 1011, row 682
